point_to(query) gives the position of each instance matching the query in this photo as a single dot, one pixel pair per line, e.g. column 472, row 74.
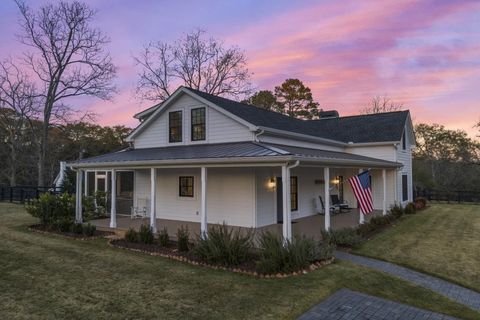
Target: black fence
column 449, row 196
column 24, row 194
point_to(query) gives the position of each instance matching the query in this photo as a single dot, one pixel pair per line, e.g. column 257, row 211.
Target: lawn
column 45, row 277
column 443, row 240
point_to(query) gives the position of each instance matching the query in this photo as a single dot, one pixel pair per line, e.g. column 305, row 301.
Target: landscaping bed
column 68, row 234
column 247, row 267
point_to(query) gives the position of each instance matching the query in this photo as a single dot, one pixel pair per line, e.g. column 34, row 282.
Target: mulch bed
column 97, row 234
column 171, row 252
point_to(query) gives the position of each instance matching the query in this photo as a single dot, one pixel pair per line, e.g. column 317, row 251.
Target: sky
column 424, row 54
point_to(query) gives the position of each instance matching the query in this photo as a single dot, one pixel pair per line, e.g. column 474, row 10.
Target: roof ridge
column 362, row 115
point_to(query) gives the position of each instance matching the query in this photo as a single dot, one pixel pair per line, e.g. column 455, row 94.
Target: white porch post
column 384, row 179
column 326, row 177
column 153, row 192
column 362, row 216
column 78, row 198
column 96, row 181
column 86, row 184
column 287, row 217
column 113, row 210
column 203, row 205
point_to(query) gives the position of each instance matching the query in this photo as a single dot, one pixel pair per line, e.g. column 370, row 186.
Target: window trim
column 404, row 187
column 294, row 191
column 198, row 124
column 180, row 126
column 180, row 186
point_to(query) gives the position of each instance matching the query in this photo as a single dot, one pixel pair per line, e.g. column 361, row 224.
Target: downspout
column 257, row 134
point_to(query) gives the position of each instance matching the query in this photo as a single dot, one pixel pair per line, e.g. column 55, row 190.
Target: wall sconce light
column 271, row 183
column 336, row 180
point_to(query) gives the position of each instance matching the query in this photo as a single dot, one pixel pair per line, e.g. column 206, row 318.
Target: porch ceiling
column 237, row 152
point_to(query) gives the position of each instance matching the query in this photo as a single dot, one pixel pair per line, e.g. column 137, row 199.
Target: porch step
column 118, row 232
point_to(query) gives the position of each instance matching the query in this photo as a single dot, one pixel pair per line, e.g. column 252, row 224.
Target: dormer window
column 404, row 141
column 198, row 124
column 175, row 126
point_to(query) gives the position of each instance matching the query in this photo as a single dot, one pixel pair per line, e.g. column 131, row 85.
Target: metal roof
column 228, row 152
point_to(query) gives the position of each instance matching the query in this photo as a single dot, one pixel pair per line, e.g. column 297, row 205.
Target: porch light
column 271, row 183
column 336, row 180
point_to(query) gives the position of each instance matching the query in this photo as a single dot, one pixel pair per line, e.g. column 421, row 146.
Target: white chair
column 320, row 206
column 142, row 208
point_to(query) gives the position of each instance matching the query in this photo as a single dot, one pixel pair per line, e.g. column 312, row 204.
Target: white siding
column 142, row 187
column 266, row 196
column 230, row 195
column 220, row 128
column 379, row 152
column 405, row 157
column 297, row 143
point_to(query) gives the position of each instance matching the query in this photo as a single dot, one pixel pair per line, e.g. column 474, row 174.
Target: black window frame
column 294, row 193
column 404, row 141
column 189, row 187
column 194, row 124
column 404, row 187
column 178, row 126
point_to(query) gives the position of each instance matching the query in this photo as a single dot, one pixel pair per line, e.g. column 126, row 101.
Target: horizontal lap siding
column 220, row 128
column 230, row 195
column 297, row 143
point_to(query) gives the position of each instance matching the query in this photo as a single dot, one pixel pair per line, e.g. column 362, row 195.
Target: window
column 404, row 141
column 404, row 187
column 175, row 126
column 198, row 124
column 185, row 187
column 293, row 193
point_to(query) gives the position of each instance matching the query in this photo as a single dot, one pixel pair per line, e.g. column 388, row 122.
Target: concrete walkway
column 350, row 305
column 455, row 292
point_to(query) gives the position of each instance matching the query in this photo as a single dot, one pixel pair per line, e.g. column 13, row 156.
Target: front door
column 279, row 189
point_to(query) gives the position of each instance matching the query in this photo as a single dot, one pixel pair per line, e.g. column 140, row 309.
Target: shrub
column 88, row 204
column 63, row 225
column 410, row 208
column 224, row 245
column 325, row 251
column 76, row 228
column 365, row 229
column 131, row 235
column 183, row 238
column 278, row 255
column 379, row 221
column 89, row 230
column 163, row 237
column 420, row 203
column 346, row 237
column 397, row 211
column 145, row 235
column 101, row 198
column 53, row 209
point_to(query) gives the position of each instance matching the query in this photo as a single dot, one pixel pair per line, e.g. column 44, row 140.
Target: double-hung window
column 175, row 126
column 293, row 193
column 198, row 124
column 185, row 186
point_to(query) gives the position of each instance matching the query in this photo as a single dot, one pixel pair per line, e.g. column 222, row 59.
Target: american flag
column 361, row 188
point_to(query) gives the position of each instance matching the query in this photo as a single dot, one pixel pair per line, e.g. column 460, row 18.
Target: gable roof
column 371, row 128
column 228, row 152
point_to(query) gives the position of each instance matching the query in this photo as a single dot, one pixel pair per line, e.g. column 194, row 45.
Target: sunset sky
column 424, row 54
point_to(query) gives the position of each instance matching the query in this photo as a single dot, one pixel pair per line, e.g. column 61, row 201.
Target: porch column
column 86, row 184
column 384, row 178
column 96, row 181
column 203, row 205
column 287, row 217
column 113, row 206
column 362, row 216
column 153, row 198
column 326, row 177
column 78, row 198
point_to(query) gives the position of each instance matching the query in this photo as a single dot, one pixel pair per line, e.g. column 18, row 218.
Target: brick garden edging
column 65, row 236
column 314, row 266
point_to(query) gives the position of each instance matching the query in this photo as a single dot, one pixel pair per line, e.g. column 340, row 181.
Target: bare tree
column 381, row 104
column 193, row 61
column 18, row 110
column 68, row 57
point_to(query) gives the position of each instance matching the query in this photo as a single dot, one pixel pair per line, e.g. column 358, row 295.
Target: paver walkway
column 455, row 292
column 345, row 304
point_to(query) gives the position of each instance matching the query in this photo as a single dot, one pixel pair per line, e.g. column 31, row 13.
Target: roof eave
column 304, row 137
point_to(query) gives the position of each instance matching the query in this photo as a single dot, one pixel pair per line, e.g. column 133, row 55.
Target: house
column 201, row 159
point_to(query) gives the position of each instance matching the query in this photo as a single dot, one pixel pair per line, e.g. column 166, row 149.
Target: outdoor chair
column 141, row 210
column 343, row 206
column 320, row 206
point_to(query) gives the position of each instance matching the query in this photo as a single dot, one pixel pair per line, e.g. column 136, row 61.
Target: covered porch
column 249, row 185
column 309, row 226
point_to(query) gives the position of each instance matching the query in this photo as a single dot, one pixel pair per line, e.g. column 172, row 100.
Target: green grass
column 443, row 240
column 45, row 277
